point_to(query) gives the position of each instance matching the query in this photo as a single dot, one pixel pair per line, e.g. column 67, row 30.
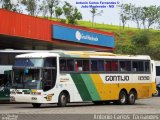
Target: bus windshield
column 33, row 84
column 27, row 78
column 29, row 62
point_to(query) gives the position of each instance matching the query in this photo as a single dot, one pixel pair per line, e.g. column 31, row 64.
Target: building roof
column 20, row 31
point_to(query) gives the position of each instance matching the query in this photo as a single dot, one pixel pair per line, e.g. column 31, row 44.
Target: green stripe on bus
column 91, row 87
column 82, row 89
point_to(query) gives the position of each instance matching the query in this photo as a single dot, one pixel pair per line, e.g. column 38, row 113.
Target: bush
column 140, row 39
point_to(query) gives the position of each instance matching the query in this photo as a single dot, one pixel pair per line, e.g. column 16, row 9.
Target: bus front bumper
column 29, row 99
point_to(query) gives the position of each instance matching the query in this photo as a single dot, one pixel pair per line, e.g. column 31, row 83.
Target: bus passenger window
column 82, row 65
column 97, row 65
column 100, row 65
column 147, row 66
column 66, row 65
column 114, row 65
column 70, row 65
column 79, row 65
column 50, row 62
column 63, row 65
column 141, row 66
column 85, row 65
column 137, row 66
column 157, row 70
column 108, row 65
column 125, row 66
column 94, row 65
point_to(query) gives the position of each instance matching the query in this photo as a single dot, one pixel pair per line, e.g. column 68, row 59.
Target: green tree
column 136, row 15
column 144, row 16
column 58, row 12
column 125, row 13
column 51, row 6
column 8, row 5
column 95, row 13
column 31, row 6
column 153, row 14
column 71, row 13
column 44, row 8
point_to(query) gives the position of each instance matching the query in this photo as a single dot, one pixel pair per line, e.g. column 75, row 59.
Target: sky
column 109, row 15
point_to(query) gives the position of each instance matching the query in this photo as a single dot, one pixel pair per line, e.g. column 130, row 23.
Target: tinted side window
column 97, row 65
column 147, row 66
column 157, row 70
column 94, row 65
column 114, row 65
column 108, row 65
column 50, row 62
column 137, row 66
column 82, row 65
column 125, row 66
column 111, row 65
column 66, row 65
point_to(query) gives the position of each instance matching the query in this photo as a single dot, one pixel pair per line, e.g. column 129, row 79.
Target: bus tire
column 131, row 97
column 122, row 98
column 36, row 105
column 156, row 94
column 62, row 100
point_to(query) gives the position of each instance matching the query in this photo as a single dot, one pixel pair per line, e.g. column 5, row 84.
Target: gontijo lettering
column 117, row 78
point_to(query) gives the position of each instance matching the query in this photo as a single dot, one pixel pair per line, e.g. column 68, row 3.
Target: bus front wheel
column 62, row 101
column 36, row 105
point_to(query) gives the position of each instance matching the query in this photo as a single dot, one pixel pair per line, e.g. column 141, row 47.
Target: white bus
column 7, row 57
column 75, row 76
column 156, row 75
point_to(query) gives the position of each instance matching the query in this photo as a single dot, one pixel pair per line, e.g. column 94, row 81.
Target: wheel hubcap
column 132, row 97
column 63, row 98
column 123, row 99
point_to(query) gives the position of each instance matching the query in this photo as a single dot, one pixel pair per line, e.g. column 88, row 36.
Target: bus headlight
column 36, row 93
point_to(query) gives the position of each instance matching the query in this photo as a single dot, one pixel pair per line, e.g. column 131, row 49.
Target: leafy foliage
column 94, row 13
column 147, row 16
column 71, row 13
column 31, row 6
column 44, row 8
column 51, row 6
column 125, row 13
column 58, row 12
column 140, row 39
column 8, row 5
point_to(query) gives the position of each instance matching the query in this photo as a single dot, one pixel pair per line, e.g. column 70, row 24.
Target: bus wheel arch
column 132, row 96
column 123, row 97
column 64, row 98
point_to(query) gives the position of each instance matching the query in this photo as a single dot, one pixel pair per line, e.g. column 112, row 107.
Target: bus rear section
column 117, row 79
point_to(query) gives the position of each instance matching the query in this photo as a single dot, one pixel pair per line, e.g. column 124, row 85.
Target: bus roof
column 20, row 51
column 81, row 54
